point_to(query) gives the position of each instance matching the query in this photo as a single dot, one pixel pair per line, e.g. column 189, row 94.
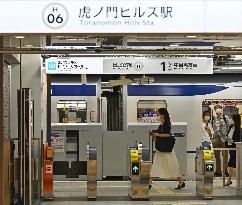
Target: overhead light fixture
column 75, row 39
column 231, row 68
column 19, row 37
column 71, row 39
column 191, row 36
column 28, row 45
column 174, row 45
column 81, row 39
column 232, row 46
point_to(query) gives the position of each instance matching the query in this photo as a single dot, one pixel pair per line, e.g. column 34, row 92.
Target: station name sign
column 128, row 65
column 120, row 16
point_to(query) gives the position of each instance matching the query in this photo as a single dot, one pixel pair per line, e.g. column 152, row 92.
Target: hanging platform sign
column 116, row 16
column 158, row 66
column 74, row 65
column 128, row 65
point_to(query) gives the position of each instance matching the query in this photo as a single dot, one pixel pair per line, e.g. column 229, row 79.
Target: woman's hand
column 150, row 133
column 155, row 134
column 231, row 141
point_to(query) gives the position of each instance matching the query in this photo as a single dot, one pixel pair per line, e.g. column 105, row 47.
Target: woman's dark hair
column 163, row 111
column 206, row 112
column 237, row 121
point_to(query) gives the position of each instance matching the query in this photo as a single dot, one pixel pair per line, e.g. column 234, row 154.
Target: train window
column 206, row 108
column 73, row 111
column 230, row 107
column 147, row 110
column 230, row 110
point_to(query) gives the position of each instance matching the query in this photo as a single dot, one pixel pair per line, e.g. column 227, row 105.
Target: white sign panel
column 158, row 66
column 120, row 16
column 74, row 65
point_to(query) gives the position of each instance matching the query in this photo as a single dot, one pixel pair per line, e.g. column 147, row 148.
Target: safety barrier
column 48, row 172
column 91, row 173
column 88, row 168
column 238, row 163
column 139, row 172
column 204, row 168
column 238, row 167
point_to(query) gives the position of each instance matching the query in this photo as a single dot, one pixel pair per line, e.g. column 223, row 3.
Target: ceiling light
column 81, row 39
column 74, row 39
column 232, row 46
column 71, row 39
column 231, row 68
column 28, row 45
column 191, row 36
column 174, row 45
column 19, row 37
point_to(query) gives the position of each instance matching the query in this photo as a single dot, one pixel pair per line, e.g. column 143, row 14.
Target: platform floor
column 162, row 193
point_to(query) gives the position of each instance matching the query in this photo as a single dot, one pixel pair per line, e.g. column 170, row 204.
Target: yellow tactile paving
column 164, row 190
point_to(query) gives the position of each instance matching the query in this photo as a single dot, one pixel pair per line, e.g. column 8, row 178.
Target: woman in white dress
column 165, row 164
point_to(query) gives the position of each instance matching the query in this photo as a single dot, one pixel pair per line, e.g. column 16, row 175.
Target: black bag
column 165, row 144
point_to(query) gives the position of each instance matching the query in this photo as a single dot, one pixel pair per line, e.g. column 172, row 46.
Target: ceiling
column 156, row 45
column 134, row 41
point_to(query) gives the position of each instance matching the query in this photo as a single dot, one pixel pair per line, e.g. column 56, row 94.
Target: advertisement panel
column 57, row 142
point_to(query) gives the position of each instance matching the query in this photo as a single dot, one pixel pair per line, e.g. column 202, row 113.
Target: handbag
column 165, row 144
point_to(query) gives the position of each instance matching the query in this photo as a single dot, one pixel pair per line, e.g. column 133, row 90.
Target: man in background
column 220, row 124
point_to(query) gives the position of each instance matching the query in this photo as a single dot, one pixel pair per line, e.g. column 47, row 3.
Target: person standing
column 165, row 164
column 220, row 124
column 207, row 130
column 233, row 136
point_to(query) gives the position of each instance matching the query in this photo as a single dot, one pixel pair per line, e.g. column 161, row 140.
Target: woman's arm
column 210, row 130
column 166, row 131
column 161, row 135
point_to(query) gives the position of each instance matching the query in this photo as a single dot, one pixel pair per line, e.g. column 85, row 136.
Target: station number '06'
column 55, row 16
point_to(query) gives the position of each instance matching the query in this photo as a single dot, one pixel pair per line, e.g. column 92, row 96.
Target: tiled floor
column 162, row 193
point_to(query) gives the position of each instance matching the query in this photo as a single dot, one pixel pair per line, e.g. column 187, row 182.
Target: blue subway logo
column 51, row 65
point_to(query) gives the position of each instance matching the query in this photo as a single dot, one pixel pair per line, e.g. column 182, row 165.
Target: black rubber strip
column 191, row 152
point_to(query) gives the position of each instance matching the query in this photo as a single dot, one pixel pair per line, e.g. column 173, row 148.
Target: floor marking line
column 103, row 186
column 180, row 203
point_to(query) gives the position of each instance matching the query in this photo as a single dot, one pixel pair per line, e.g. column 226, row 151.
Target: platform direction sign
column 129, row 65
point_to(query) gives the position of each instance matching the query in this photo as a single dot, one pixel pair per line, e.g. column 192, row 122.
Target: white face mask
column 207, row 118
